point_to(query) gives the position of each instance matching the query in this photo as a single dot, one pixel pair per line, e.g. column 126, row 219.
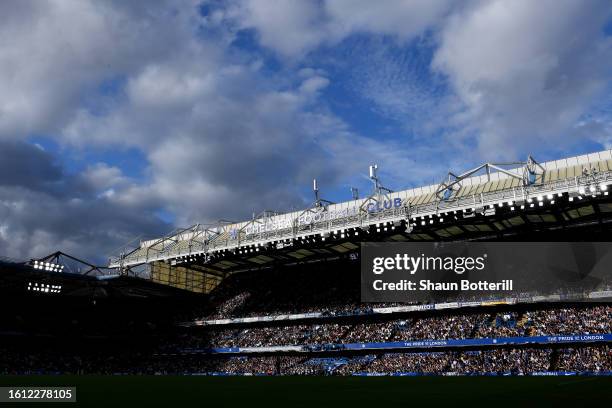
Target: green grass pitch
column 314, row 392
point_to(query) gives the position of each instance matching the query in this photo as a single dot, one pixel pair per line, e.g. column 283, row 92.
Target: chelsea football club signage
column 312, row 217
column 375, row 207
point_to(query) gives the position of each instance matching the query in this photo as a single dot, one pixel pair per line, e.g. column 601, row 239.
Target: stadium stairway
column 477, row 327
column 522, row 320
column 554, row 360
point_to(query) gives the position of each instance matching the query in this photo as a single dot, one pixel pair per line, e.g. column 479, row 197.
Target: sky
column 121, row 121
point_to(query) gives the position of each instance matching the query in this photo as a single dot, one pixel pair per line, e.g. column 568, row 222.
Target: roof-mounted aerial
column 380, row 193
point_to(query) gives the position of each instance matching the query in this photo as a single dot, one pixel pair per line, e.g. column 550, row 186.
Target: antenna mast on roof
column 319, row 202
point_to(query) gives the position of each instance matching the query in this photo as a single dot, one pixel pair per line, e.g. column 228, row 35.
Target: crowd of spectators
column 294, row 335
column 28, row 361
column 570, row 321
column 590, row 359
column 227, row 307
column 515, row 361
column 454, row 326
column 300, row 289
column 391, row 363
column 435, row 326
column 334, row 292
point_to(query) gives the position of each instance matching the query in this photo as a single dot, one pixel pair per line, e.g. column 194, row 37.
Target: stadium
column 306, row 203
column 279, row 294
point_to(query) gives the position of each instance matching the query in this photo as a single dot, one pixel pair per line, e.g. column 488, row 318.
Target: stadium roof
column 19, row 278
column 470, row 202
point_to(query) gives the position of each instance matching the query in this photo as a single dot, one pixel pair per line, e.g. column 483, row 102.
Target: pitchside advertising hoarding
column 439, row 271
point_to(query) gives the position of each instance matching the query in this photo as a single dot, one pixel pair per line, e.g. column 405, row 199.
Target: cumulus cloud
column 101, row 177
column 44, row 208
column 220, row 140
column 519, row 73
column 289, row 27
column 314, row 84
column 401, row 18
column 53, row 54
column 526, row 71
column 294, row 28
